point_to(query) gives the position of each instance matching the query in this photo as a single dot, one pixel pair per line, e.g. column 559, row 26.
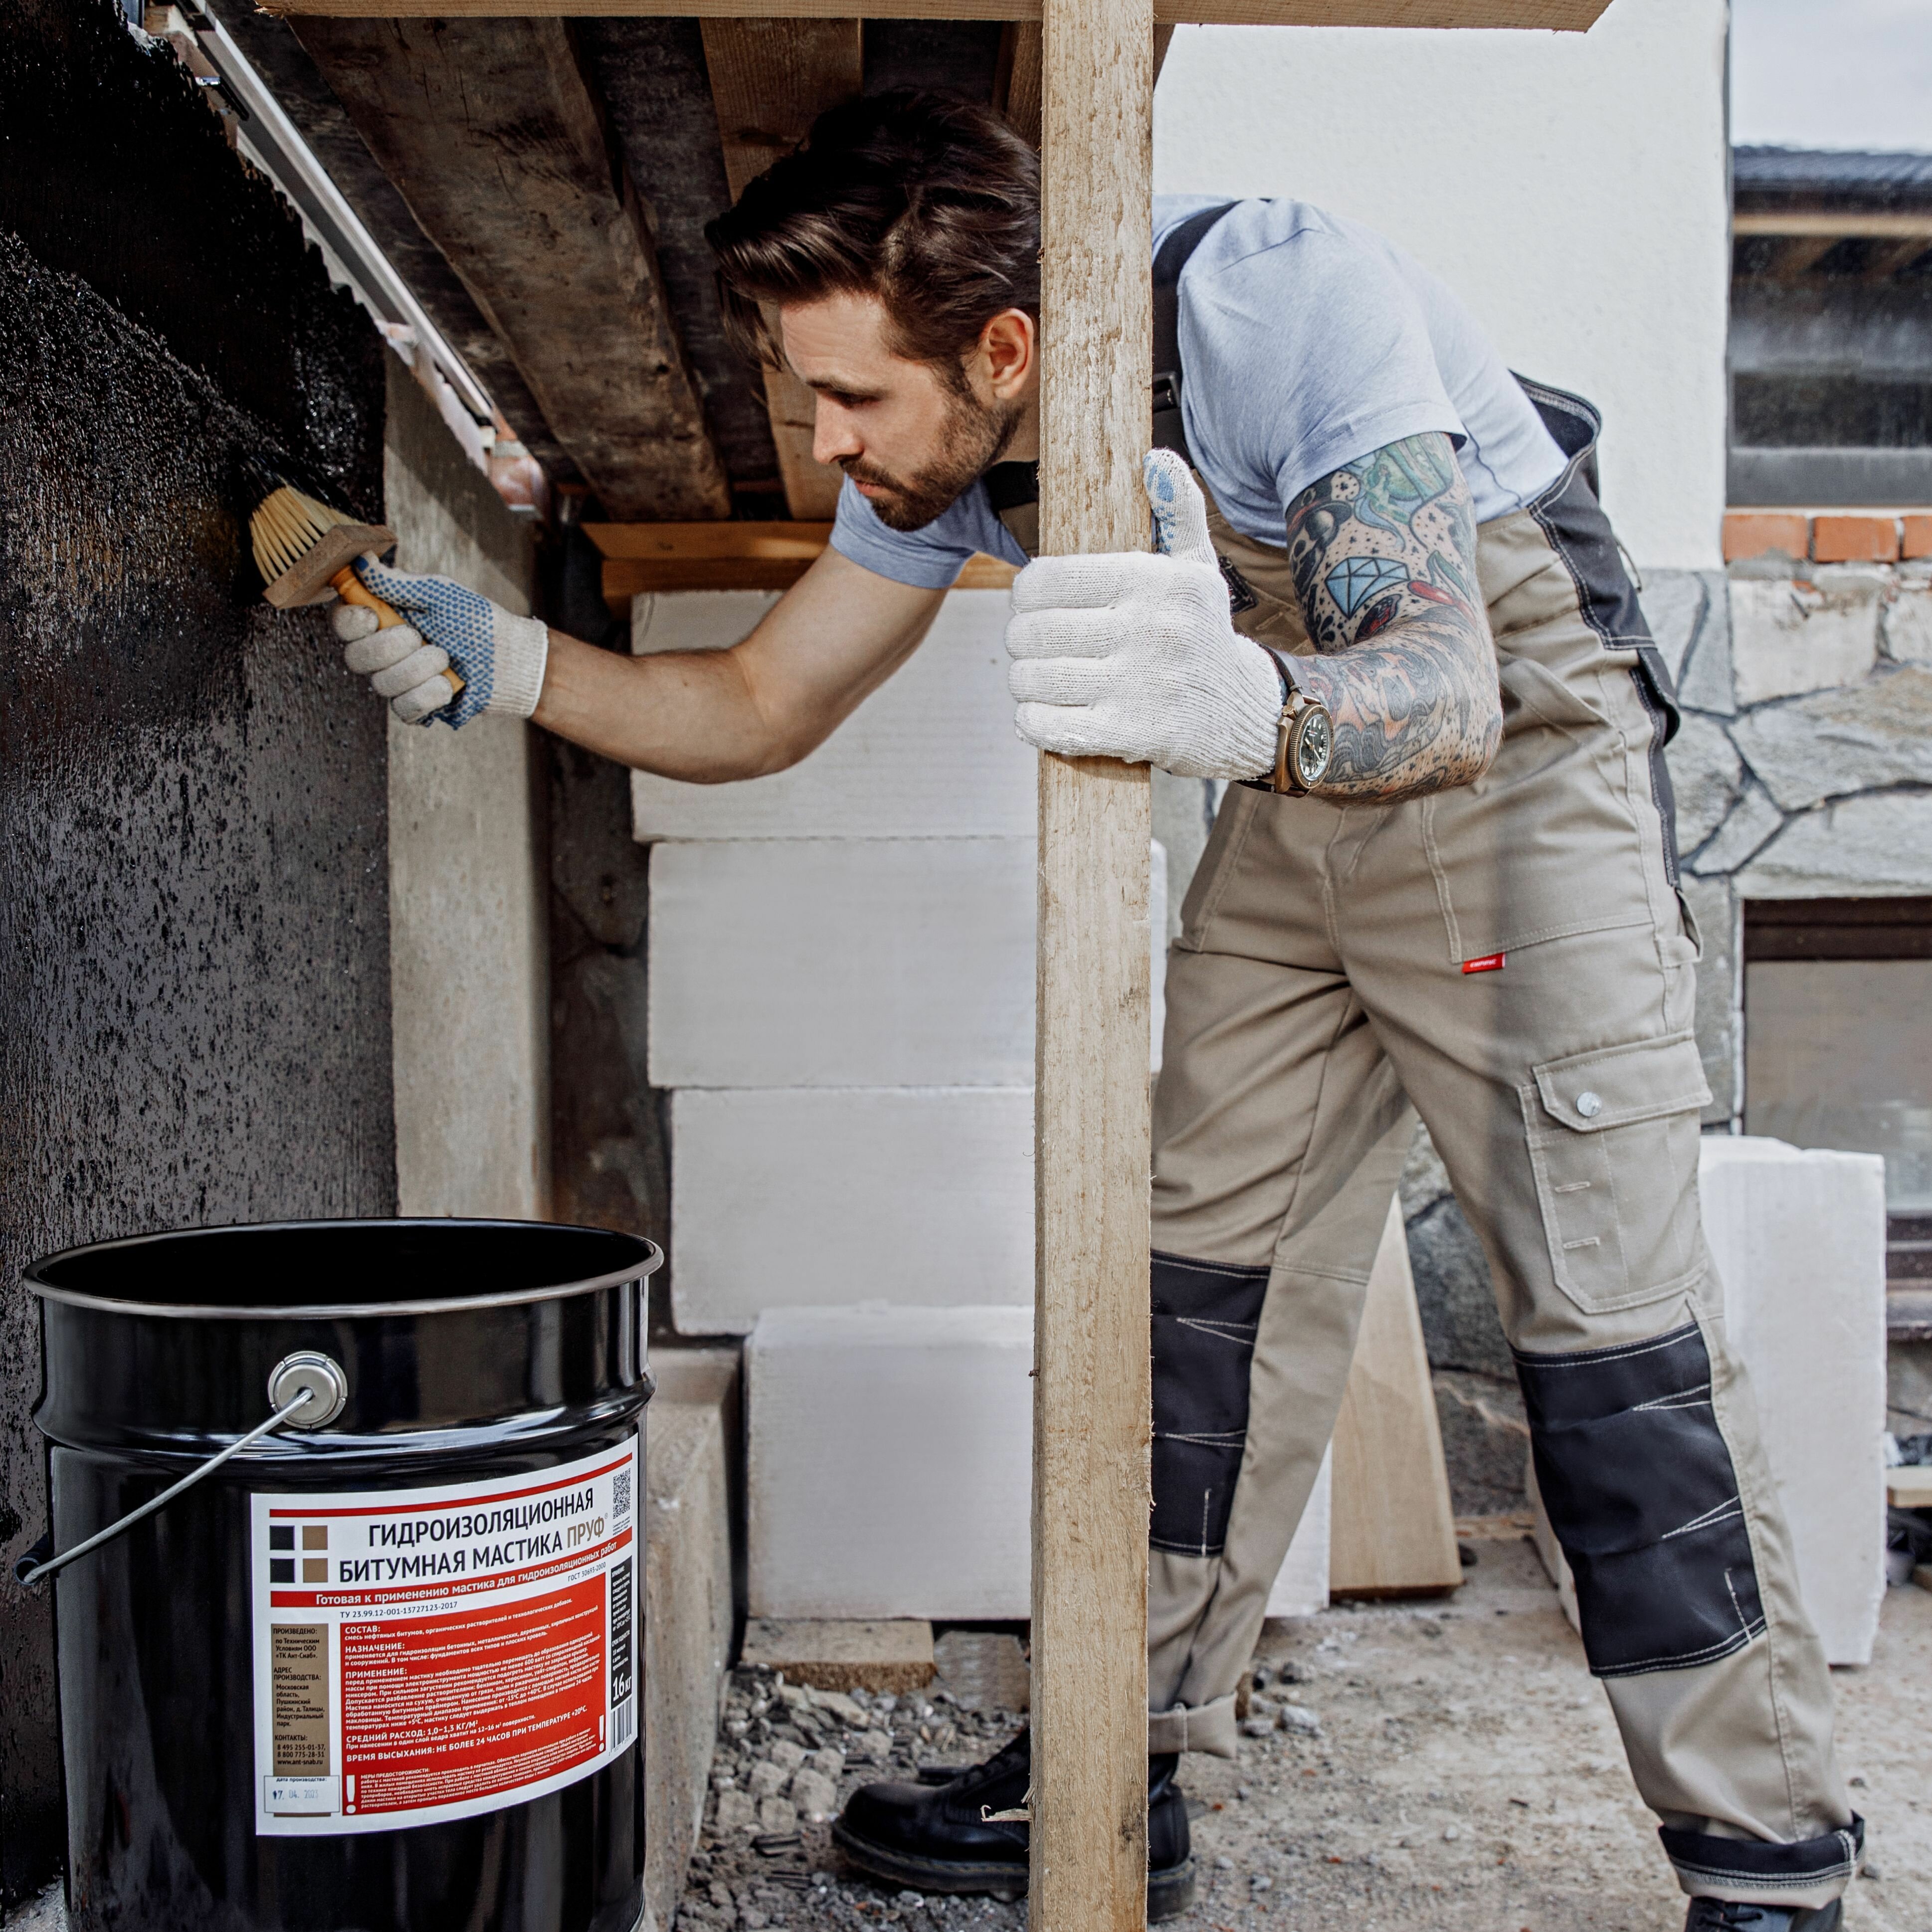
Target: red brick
column 1755, row 533
column 1918, row 536
column 1865, row 538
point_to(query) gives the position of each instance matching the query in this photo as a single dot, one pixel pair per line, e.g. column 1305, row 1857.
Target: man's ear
column 1010, row 352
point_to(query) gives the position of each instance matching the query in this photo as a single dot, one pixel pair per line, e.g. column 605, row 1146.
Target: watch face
column 1313, row 743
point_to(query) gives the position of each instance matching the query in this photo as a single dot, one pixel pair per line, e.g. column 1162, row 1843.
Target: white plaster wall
column 468, row 949
column 1571, row 188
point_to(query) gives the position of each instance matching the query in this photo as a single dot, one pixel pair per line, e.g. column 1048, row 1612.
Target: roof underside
column 542, row 183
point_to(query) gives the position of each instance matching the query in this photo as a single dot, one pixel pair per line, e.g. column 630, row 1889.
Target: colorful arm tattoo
column 1384, row 555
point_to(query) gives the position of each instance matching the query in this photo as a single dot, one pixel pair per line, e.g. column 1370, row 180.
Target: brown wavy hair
column 927, row 201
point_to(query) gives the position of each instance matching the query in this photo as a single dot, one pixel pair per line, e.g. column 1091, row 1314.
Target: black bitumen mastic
column 193, row 871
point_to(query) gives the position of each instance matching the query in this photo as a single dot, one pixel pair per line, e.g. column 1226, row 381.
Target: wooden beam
column 1092, row 1396
column 642, row 557
column 492, row 136
column 1016, row 79
column 1871, row 225
column 770, row 80
column 1574, row 17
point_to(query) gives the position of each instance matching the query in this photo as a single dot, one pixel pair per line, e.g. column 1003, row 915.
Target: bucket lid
column 284, row 1270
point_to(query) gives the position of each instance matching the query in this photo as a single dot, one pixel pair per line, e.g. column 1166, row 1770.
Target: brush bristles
column 286, row 527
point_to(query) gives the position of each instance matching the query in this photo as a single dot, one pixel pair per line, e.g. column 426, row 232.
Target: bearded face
column 973, row 438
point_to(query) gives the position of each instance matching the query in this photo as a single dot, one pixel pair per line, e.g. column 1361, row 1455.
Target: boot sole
column 1170, row 1892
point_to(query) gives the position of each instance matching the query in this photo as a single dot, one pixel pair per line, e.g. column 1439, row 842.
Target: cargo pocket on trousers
column 1612, row 1141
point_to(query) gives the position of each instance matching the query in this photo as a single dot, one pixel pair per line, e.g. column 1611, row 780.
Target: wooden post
column 1092, row 1398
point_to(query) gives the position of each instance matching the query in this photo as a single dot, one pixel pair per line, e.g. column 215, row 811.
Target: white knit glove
column 500, row 656
column 1134, row 656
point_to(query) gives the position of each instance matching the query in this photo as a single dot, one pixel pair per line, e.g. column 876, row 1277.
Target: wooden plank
column 770, row 80
column 1394, row 1529
column 930, row 754
column 1016, row 80
column 1573, row 16
column 644, row 558
column 1872, row 224
column 1092, row 1412
column 675, row 542
column 492, row 138
column 1910, row 1488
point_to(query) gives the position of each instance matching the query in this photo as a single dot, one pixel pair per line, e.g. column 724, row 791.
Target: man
column 1446, row 879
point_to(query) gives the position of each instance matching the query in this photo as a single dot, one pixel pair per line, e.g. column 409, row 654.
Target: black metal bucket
column 380, row 1671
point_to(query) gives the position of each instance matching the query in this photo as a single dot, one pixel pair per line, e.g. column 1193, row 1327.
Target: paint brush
column 304, row 549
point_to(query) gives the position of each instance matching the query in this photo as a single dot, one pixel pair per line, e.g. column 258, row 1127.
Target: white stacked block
column 930, row 754
column 889, row 1468
column 846, row 962
column 1301, row 1587
column 889, row 1464
column 817, row 1196
column 1798, row 1236
column 842, row 962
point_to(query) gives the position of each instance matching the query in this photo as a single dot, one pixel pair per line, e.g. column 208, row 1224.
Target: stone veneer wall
column 1803, row 768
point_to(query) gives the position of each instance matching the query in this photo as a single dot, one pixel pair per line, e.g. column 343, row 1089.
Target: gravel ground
column 1466, row 1777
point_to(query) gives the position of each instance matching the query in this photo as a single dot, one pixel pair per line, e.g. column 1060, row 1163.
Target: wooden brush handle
column 351, row 589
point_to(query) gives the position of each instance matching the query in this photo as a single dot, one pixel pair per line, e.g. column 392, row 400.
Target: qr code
column 620, row 1494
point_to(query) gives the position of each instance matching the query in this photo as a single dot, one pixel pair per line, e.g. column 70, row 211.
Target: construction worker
column 1386, row 604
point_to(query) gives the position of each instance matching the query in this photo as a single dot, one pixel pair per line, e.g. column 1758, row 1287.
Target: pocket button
column 1589, row 1105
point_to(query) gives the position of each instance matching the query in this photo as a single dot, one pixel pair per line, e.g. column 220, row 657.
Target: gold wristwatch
column 1304, row 739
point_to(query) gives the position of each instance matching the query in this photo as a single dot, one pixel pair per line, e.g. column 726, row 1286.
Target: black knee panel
column 1641, row 1492
column 1204, row 1318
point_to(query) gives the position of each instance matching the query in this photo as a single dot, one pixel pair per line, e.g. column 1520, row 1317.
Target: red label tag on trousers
column 1490, row 962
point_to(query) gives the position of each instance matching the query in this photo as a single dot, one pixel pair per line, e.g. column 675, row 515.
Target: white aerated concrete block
column 831, row 962
column 889, row 1467
column 930, row 754
column 1301, row 1587
column 817, row 1196
column 854, row 962
column 1798, row 1236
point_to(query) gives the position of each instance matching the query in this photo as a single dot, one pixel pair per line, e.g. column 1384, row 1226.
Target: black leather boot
column 933, row 1838
column 1726, row 1915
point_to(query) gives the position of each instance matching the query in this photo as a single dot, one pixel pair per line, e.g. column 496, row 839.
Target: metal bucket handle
column 306, row 1390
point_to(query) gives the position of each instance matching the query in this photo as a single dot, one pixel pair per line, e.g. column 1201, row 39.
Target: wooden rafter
column 770, row 80
column 492, row 136
column 1554, row 16
column 641, row 557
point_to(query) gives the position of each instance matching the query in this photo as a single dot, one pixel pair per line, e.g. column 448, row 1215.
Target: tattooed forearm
column 1384, row 556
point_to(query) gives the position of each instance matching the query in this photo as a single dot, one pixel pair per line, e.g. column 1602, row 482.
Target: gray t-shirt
column 1308, row 341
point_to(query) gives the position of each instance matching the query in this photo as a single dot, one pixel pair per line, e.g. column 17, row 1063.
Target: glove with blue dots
column 499, row 656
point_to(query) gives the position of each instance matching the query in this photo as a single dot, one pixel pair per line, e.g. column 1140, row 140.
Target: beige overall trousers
column 1511, row 959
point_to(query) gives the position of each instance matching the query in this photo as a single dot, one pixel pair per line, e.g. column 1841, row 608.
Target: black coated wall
column 194, row 1020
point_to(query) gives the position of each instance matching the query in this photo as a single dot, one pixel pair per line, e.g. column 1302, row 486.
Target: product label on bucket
column 423, row 1654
